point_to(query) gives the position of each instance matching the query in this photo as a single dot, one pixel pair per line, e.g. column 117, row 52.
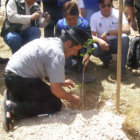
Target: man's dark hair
column 65, row 36
column 75, row 34
column 102, row 1
column 70, row 8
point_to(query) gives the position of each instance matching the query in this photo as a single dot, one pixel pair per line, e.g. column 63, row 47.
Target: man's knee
column 125, row 38
column 125, row 41
column 13, row 40
column 35, row 31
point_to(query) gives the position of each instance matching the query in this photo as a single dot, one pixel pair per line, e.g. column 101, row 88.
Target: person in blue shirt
column 87, row 8
column 72, row 18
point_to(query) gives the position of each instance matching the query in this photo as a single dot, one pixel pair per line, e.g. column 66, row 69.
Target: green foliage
column 89, row 46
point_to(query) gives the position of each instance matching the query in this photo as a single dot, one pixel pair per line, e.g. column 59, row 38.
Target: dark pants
column 31, row 96
column 138, row 19
column 55, row 14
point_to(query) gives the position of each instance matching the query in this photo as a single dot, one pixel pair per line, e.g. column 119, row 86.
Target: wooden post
column 82, row 92
column 119, row 55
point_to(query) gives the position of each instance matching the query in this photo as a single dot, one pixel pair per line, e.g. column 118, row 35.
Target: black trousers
column 138, row 19
column 55, row 14
column 31, row 96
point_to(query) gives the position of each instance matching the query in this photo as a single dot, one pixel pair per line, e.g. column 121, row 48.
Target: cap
column 78, row 35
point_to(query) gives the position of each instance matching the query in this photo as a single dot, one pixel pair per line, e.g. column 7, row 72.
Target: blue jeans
column 89, row 13
column 17, row 39
column 105, row 56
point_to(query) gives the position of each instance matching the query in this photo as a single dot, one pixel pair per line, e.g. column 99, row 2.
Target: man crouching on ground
column 24, row 72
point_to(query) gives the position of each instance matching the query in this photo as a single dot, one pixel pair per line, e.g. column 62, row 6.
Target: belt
column 9, row 73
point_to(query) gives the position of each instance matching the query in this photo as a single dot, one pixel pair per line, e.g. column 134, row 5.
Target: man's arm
column 125, row 30
column 102, row 43
column 59, row 92
column 132, row 15
column 131, row 11
column 15, row 17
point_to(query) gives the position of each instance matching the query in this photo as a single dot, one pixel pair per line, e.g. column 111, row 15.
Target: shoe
column 105, row 65
column 3, row 60
column 7, row 115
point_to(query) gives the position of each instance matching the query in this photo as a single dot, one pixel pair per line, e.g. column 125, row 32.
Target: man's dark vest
column 15, row 27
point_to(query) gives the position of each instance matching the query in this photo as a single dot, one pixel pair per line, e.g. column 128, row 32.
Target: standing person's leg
column 31, row 97
column 49, row 29
column 55, row 16
column 58, row 14
column 138, row 20
column 13, row 40
column 30, row 34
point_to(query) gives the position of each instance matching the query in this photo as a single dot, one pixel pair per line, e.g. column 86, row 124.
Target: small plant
column 89, row 46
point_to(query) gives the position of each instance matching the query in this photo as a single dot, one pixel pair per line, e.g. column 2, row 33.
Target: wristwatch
column 107, row 33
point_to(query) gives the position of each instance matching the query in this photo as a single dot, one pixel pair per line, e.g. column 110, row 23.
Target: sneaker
column 7, row 115
column 3, row 60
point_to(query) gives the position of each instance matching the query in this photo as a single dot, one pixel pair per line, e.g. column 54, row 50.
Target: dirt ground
column 98, row 120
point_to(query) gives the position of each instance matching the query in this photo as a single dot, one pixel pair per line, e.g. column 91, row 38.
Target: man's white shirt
column 101, row 24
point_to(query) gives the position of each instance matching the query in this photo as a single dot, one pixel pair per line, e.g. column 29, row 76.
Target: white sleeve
column 81, row 4
column 93, row 23
column 13, row 16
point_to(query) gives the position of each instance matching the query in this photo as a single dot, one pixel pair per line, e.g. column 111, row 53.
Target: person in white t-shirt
column 104, row 28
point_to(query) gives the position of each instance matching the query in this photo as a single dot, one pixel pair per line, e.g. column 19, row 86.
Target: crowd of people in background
column 72, row 33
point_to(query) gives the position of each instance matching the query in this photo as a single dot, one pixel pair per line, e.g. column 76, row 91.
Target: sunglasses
column 107, row 5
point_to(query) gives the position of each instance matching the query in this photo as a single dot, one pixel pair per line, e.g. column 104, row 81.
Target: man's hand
column 36, row 15
column 85, row 59
column 69, row 83
column 76, row 100
column 47, row 16
column 103, row 45
column 104, row 36
column 58, row 91
column 134, row 25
